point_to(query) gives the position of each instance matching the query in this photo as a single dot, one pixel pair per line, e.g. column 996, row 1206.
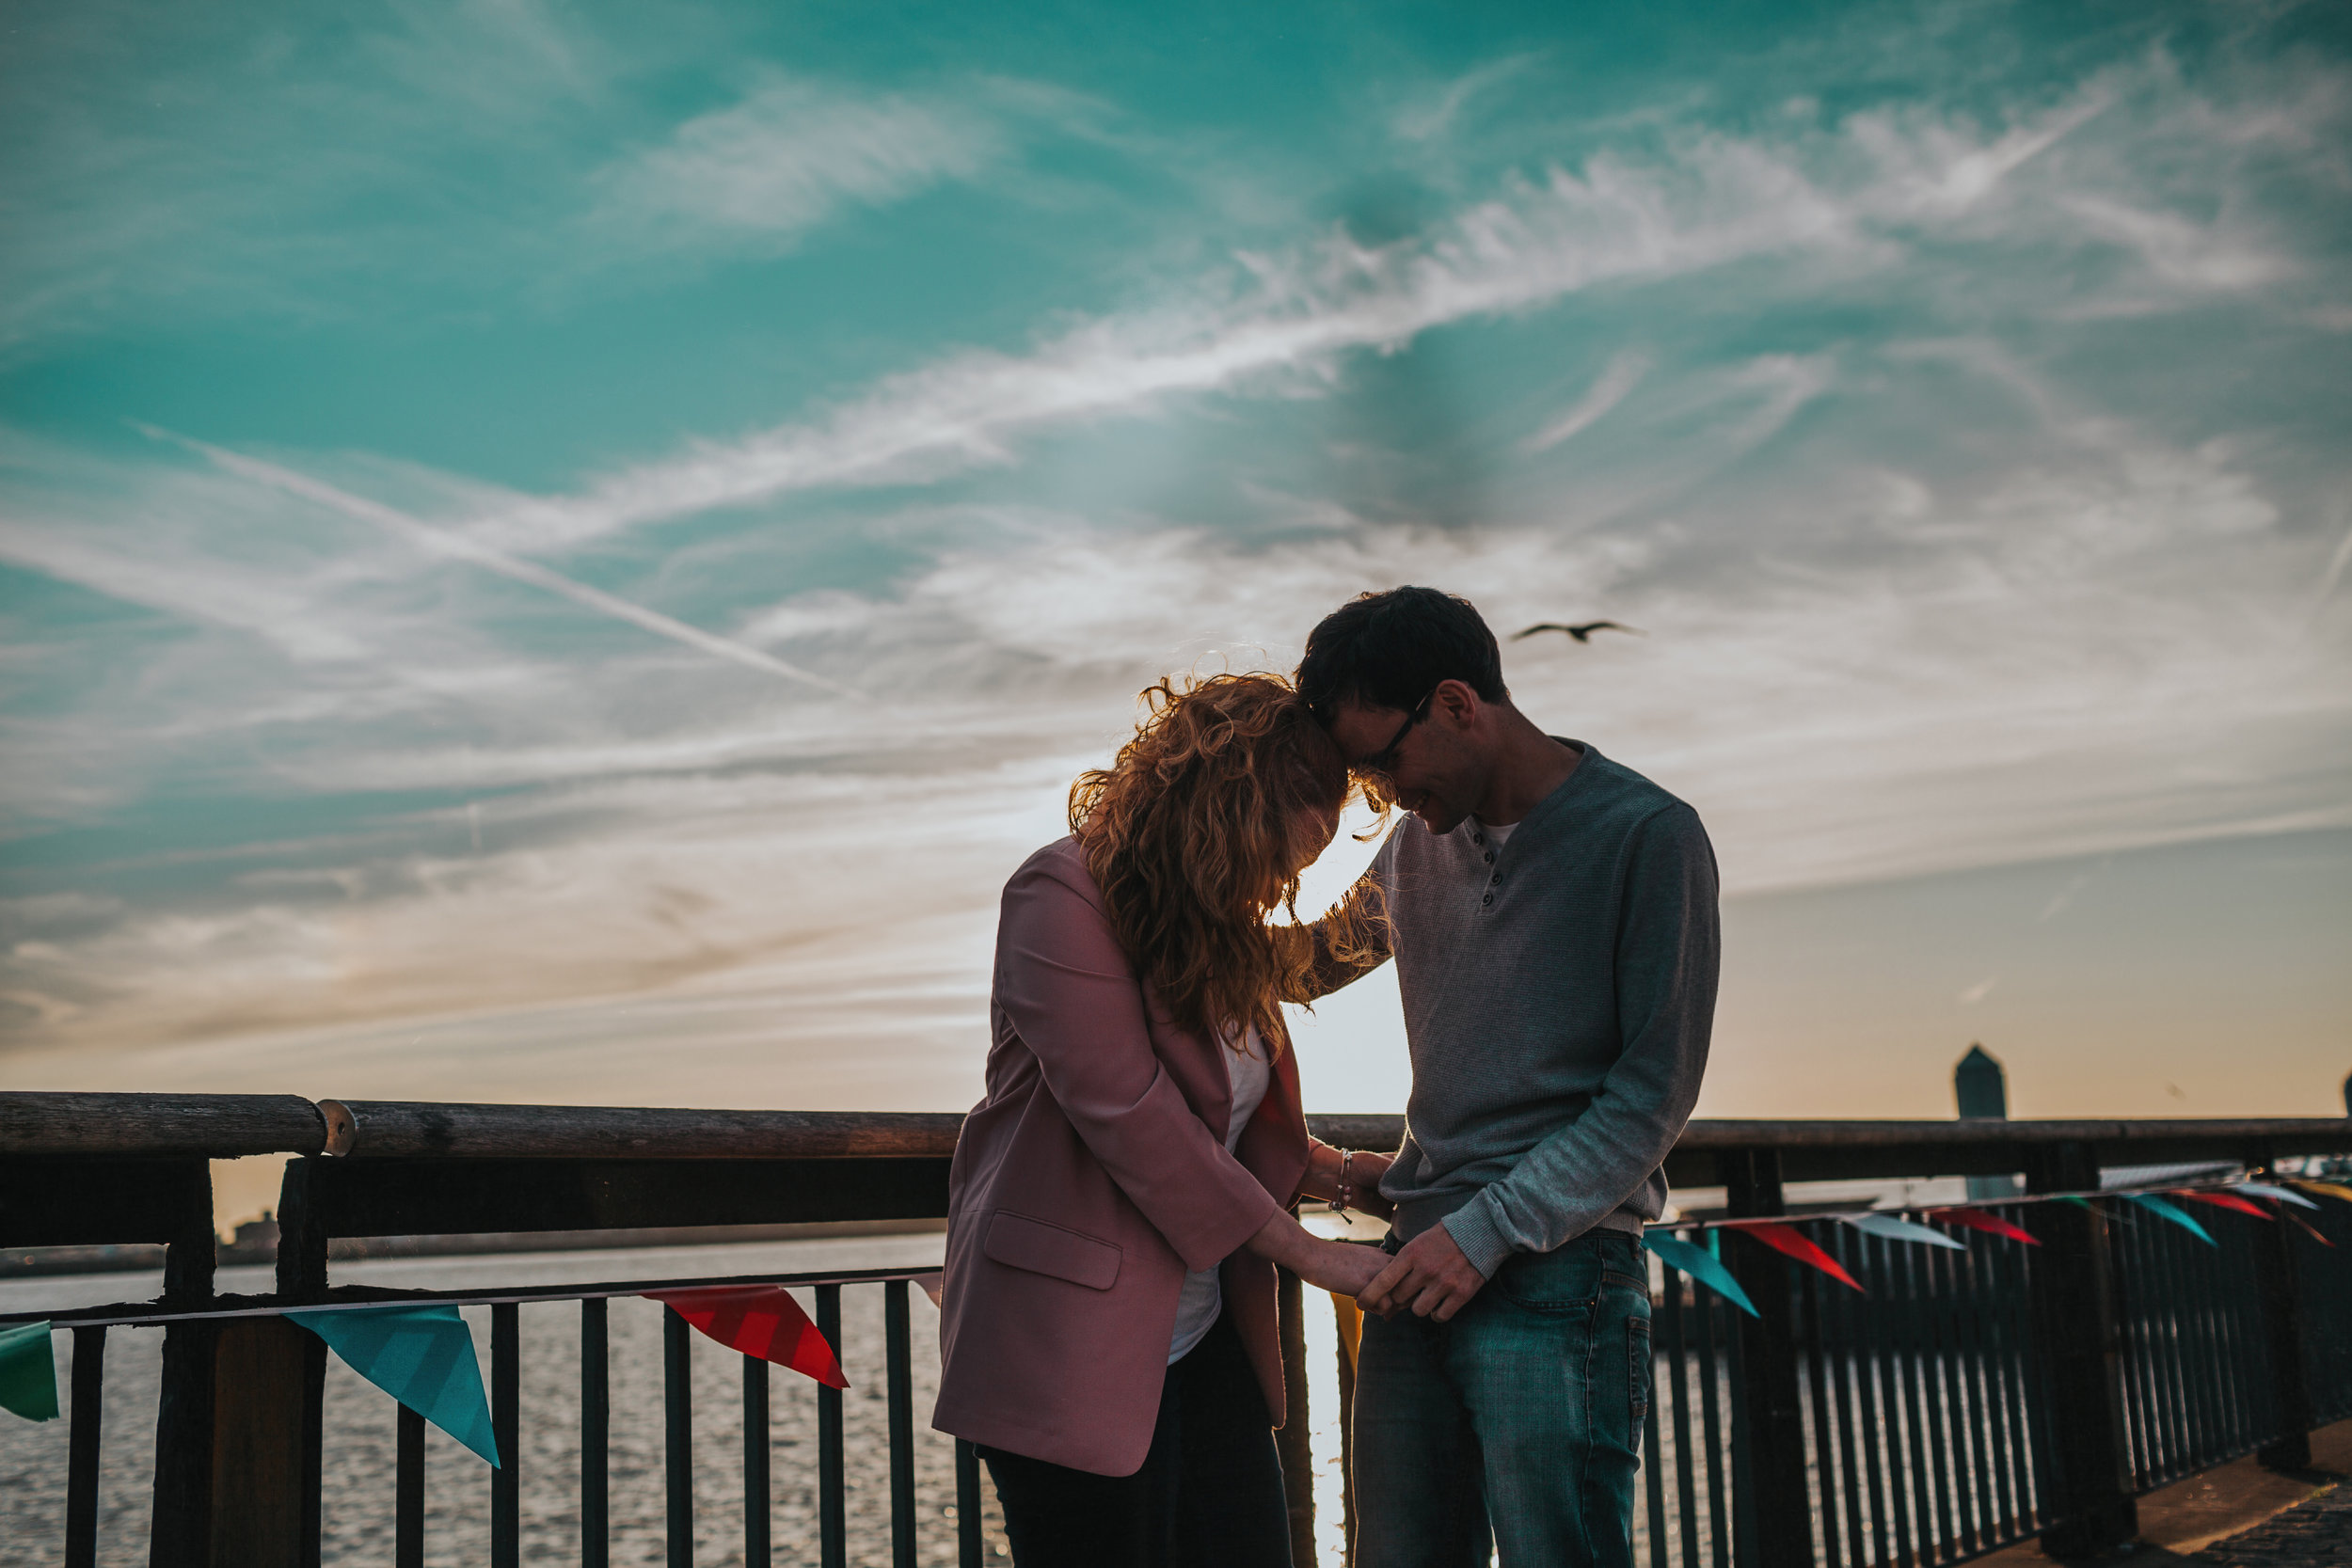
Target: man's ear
column 1455, row 703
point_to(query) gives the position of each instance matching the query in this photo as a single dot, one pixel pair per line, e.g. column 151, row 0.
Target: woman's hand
column 1364, row 1173
column 1329, row 1265
column 1363, row 1170
column 1354, row 1268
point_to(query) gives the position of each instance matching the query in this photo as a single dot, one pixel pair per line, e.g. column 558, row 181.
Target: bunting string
column 1779, row 1233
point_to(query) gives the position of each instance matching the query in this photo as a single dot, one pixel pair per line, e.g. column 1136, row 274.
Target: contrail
column 2334, row 574
column 457, row 547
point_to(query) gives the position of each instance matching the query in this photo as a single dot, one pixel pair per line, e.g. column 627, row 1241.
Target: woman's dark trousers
column 1209, row 1491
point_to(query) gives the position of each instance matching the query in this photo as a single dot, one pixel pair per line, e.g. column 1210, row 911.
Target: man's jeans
column 1523, row 1414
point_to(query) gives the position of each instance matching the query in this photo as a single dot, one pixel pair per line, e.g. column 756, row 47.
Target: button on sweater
column 1558, row 989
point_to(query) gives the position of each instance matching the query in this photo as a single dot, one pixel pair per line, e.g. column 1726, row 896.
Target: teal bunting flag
column 28, row 1371
column 1703, row 1266
column 423, row 1356
column 1895, row 1229
column 2172, row 1211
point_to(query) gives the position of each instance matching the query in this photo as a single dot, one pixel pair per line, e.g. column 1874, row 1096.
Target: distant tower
column 1982, row 1091
column 1979, row 1085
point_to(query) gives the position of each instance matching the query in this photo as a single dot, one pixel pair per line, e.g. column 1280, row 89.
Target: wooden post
column 1349, row 1340
column 1293, row 1442
column 1771, row 1429
column 2076, row 1315
column 263, row 1514
column 2282, row 1331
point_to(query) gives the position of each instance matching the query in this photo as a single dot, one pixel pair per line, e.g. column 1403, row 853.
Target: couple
column 1121, row 1196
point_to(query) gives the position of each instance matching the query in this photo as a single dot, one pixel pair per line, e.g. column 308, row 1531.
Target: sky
column 562, row 553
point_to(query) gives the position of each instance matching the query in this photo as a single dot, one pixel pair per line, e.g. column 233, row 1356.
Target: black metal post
column 2283, row 1332
column 833, row 1523
column 757, row 1494
column 967, row 1505
column 677, row 1406
column 180, row 1533
column 1772, row 1433
column 902, row 1380
column 2079, row 1328
column 409, row 1489
column 303, row 1226
column 506, row 1426
column 595, row 1432
column 81, row 1465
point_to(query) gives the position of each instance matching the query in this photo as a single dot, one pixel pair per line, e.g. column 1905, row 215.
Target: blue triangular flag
column 1901, row 1230
column 2172, row 1212
column 2264, row 1189
column 1703, row 1266
column 423, row 1356
column 28, row 1371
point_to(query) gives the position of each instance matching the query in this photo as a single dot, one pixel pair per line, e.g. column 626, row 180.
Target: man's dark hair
column 1392, row 649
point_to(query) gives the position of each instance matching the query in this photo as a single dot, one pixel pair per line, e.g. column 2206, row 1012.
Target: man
column 1555, row 936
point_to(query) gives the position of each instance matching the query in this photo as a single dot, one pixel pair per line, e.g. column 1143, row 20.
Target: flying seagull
column 1582, row 633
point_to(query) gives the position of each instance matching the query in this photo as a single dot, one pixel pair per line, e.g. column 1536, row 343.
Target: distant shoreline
column 42, row 1263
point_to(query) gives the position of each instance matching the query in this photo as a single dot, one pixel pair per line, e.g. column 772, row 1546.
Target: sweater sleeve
column 1071, row 994
column 1668, row 950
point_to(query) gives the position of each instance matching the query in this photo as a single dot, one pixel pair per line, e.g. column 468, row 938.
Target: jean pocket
column 1561, row 1283
column 1637, row 1376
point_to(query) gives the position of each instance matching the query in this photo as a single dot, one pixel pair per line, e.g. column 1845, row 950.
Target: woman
column 1121, row 1197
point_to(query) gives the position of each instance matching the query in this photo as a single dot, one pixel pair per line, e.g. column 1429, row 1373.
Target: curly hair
column 1188, row 833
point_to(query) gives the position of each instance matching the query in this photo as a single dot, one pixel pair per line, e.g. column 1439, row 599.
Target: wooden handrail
column 413, row 1129
column 159, row 1126
column 223, row 1126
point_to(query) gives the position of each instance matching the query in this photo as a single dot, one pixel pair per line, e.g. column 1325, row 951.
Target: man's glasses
column 1377, row 766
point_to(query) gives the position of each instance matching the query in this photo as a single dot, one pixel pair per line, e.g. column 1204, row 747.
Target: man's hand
column 1429, row 1274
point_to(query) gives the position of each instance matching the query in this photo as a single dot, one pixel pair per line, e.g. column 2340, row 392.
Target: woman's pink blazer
column 1089, row 1180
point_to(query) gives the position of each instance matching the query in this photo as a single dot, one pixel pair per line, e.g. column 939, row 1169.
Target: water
column 358, row 1455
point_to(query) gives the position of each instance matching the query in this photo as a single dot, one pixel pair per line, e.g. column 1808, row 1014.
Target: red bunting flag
column 1788, row 1239
column 759, row 1319
column 1977, row 1219
column 2305, row 1226
column 2225, row 1200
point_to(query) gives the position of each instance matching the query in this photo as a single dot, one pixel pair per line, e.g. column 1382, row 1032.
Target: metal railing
column 505, row 1483
column 1966, row 1400
column 1928, row 1403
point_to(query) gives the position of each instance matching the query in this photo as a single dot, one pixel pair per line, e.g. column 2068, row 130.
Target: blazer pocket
column 1019, row 1241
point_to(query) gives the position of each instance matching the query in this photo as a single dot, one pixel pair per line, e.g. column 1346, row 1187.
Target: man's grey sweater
column 1558, row 994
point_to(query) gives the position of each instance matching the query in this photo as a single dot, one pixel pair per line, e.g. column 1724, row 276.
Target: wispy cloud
column 1622, row 374
column 1434, row 113
column 1855, row 201
column 789, row 156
